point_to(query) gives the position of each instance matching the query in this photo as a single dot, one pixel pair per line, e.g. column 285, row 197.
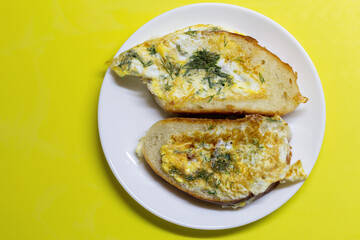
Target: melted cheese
column 232, row 162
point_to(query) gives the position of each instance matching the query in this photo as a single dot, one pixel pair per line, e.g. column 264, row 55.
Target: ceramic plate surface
column 127, row 110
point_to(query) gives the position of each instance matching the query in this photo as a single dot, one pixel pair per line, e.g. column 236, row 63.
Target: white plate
column 127, row 110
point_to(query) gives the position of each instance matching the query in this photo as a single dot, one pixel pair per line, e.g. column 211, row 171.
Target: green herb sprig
column 225, row 41
column 126, row 61
column 206, row 60
column 170, row 67
column 168, row 86
column 152, row 50
column 216, row 28
column 221, row 161
column 272, row 120
column 262, row 80
column 178, row 48
column 191, row 33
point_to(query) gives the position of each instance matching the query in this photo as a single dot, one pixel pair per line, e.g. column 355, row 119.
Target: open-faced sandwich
column 229, row 162
column 206, row 69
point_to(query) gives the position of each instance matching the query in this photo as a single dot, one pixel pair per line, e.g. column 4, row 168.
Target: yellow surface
column 55, row 182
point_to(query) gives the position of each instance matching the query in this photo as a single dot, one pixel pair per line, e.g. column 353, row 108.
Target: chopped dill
column 126, row 60
column 211, row 97
column 174, row 170
column 189, row 178
column 191, row 33
column 152, row 50
column 212, row 192
column 206, row 60
column 168, row 86
column 216, row 28
column 203, row 59
column 209, row 82
column 256, row 143
column 131, row 54
column 147, row 64
column 225, row 41
column 206, row 159
column 202, row 174
column 180, row 50
column 221, row 162
column 217, row 182
column 272, row 120
column 236, row 170
column 211, row 127
column 262, row 80
column 169, row 67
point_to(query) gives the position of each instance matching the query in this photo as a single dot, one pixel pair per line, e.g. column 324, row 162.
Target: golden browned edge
column 211, row 121
column 269, row 189
column 220, row 111
column 227, row 111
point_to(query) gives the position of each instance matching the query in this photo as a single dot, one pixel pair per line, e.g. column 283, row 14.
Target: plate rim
column 142, row 203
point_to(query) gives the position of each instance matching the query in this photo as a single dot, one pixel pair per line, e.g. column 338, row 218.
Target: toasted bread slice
column 206, row 70
column 228, row 162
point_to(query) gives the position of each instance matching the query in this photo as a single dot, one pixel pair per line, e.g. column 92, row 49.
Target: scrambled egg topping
column 231, row 162
column 200, row 63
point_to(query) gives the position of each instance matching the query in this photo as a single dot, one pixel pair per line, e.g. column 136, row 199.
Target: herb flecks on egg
column 189, row 65
column 230, row 162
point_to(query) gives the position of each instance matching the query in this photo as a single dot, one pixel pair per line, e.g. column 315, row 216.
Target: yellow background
column 54, row 180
